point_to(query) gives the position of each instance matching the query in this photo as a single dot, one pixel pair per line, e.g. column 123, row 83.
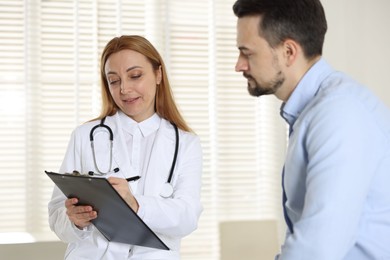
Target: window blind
column 191, row 60
column 12, row 110
column 50, row 51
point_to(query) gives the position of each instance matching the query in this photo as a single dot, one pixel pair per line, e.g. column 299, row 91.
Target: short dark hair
column 303, row 21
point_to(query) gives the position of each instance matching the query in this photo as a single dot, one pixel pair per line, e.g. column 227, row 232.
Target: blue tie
column 286, row 217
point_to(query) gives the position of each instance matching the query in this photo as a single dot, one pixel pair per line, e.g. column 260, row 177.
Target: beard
column 268, row 88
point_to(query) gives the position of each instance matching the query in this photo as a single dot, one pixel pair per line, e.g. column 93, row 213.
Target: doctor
column 139, row 109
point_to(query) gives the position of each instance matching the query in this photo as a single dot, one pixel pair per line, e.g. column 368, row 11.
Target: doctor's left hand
column 122, row 187
column 81, row 216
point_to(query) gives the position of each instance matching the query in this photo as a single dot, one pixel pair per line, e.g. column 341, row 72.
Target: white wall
column 358, row 40
column 27, row 251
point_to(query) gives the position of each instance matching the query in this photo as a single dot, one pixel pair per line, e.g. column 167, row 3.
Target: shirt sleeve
column 58, row 219
column 342, row 143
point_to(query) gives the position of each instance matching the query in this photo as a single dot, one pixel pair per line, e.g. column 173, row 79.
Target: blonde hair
column 165, row 105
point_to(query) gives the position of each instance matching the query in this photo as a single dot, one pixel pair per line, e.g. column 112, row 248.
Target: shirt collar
column 306, row 89
column 146, row 127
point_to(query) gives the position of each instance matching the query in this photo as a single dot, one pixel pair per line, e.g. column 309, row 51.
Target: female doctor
column 139, row 114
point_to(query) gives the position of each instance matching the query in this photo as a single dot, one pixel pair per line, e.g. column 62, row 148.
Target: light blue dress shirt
column 337, row 170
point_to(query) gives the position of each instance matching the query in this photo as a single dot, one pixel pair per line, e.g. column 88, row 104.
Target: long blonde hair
column 165, row 105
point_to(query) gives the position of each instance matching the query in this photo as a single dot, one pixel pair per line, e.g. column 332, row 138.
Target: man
column 336, row 176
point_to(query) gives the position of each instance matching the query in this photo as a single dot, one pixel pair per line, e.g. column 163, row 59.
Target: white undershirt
column 139, row 139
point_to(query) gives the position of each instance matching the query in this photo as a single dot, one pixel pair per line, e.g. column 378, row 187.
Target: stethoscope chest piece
column 167, row 190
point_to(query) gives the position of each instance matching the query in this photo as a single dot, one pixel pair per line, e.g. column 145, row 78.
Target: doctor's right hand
column 81, row 216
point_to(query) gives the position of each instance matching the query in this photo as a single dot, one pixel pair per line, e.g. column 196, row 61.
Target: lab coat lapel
column 120, row 153
column 161, row 159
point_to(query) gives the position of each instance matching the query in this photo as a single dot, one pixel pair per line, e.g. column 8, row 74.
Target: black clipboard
column 116, row 220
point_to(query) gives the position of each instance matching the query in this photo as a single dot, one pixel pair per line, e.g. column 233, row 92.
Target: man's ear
column 291, row 50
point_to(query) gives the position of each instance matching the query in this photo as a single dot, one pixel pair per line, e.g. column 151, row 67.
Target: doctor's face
column 258, row 61
column 132, row 82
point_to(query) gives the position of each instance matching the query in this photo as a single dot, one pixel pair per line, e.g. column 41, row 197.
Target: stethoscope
column 167, row 189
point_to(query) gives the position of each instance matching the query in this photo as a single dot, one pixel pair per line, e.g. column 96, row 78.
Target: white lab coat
column 171, row 219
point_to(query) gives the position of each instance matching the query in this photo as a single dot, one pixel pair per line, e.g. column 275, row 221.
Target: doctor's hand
column 122, row 187
column 81, row 216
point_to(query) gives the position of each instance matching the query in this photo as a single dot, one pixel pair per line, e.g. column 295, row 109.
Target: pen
column 135, row 178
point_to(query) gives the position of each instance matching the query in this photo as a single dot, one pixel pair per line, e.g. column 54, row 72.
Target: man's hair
column 303, row 21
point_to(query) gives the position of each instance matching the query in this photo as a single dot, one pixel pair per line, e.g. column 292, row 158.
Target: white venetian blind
column 49, row 76
column 191, row 64
column 250, row 134
column 12, row 111
column 247, row 173
column 63, row 86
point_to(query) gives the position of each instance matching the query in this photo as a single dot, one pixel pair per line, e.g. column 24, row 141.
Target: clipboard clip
column 77, row 173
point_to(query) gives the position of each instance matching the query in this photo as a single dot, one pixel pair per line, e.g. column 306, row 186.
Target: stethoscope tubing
column 111, row 137
column 93, row 146
column 101, row 125
column 175, row 154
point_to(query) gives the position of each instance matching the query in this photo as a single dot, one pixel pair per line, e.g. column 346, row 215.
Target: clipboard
column 116, row 220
